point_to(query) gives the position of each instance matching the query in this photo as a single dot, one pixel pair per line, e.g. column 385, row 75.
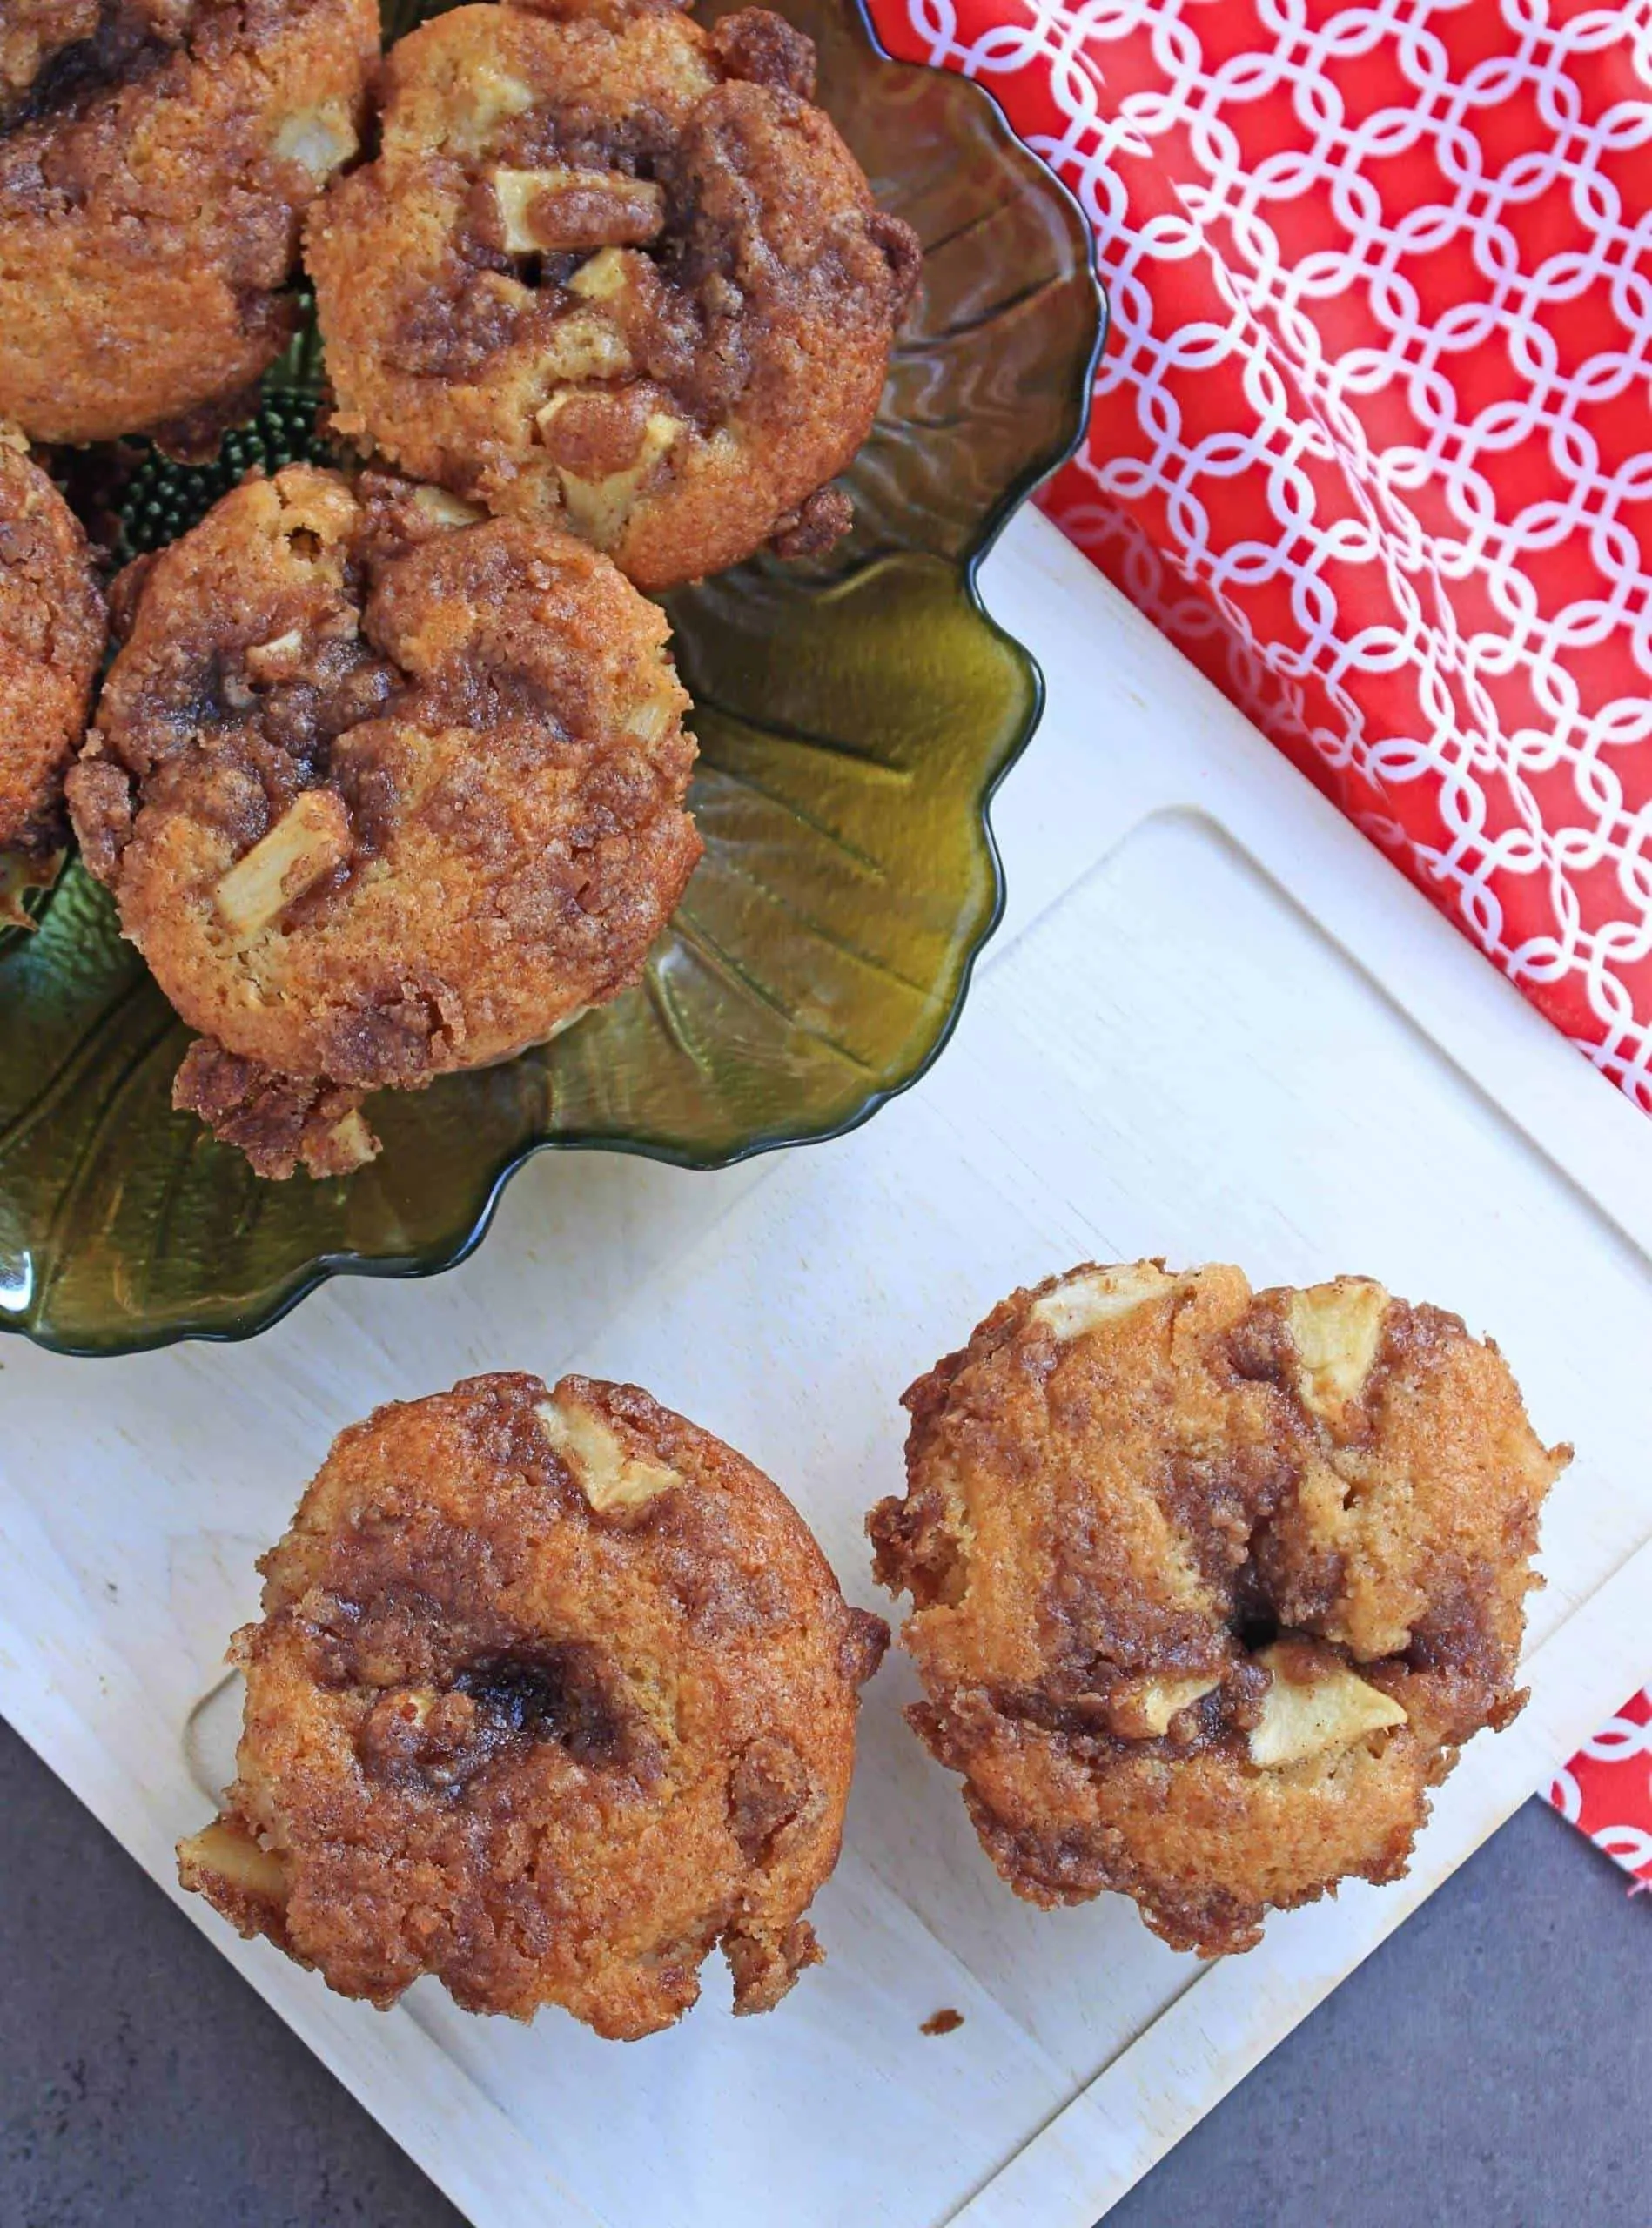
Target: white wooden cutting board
column 1215, row 1024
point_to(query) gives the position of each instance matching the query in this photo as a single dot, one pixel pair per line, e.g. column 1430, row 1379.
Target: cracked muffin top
column 614, row 270
column 380, row 795
column 1210, row 1585
column 156, row 158
column 51, row 643
column 553, row 1693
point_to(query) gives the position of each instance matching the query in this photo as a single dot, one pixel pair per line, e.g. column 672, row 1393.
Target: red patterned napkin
column 1606, row 1790
column 1372, row 442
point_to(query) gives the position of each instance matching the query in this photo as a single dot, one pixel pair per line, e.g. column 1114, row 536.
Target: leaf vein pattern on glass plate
column 740, row 979
column 84, row 1161
column 717, row 770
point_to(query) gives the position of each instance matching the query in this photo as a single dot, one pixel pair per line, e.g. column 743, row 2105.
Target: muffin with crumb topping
column 553, row 1693
column 1211, row 1586
column 51, row 641
column 615, row 271
column 156, row 158
column 382, row 791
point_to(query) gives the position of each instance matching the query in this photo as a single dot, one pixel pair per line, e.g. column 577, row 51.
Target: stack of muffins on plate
column 388, row 773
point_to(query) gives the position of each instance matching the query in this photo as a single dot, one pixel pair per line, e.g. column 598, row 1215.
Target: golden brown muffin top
column 381, row 795
column 56, row 56
column 156, row 156
column 51, row 641
column 614, row 269
column 552, row 1693
column 1274, row 1545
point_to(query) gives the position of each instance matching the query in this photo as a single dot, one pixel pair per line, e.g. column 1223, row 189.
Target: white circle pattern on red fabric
column 1606, row 1791
column 1371, row 437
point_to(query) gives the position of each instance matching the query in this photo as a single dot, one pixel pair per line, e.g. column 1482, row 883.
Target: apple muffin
column 553, row 1693
column 381, row 793
column 615, row 271
column 52, row 643
column 1210, row 1585
column 156, row 158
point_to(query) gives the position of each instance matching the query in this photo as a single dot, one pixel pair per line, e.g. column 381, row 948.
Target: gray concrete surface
column 1490, row 2068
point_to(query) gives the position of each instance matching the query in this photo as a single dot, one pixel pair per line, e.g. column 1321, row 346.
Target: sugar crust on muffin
column 156, row 158
column 52, row 626
column 382, row 792
column 1210, row 1585
column 616, row 271
column 553, row 1693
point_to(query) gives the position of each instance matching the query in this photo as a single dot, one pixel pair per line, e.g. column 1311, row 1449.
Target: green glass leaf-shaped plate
column 854, row 718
